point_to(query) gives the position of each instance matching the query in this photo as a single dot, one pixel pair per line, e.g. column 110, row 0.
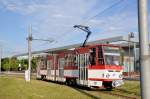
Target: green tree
column 10, row 64
column 24, row 63
column 14, row 63
column 5, row 64
column 34, row 63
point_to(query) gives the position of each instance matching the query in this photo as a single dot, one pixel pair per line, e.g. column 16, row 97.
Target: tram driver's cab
column 105, row 65
column 105, row 55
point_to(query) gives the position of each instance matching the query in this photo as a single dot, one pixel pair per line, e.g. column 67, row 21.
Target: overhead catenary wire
column 44, row 44
column 87, row 20
column 62, row 37
column 96, row 15
column 84, row 21
column 103, row 11
column 64, row 34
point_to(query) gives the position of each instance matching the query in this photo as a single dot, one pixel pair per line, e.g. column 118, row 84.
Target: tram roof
column 97, row 42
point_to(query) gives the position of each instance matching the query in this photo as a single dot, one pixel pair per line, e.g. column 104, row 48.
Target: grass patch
column 16, row 88
column 130, row 88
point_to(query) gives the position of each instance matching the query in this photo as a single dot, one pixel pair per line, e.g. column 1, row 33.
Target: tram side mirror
column 90, row 60
column 92, row 56
column 66, row 57
column 74, row 59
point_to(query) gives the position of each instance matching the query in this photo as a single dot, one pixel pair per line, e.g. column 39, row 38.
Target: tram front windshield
column 112, row 55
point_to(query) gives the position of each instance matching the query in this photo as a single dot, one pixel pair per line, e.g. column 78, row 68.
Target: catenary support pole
column 144, row 48
column 130, row 35
column 29, row 52
column 129, row 65
column 134, row 51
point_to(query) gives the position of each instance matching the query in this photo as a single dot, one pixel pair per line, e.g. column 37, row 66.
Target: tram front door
column 83, row 61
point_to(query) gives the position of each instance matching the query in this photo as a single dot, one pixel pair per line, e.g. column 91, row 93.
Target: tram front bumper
column 94, row 83
column 117, row 83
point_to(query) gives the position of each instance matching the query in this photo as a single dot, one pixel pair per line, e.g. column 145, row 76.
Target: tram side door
column 38, row 67
column 49, row 65
column 61, row 67
column 82, row 66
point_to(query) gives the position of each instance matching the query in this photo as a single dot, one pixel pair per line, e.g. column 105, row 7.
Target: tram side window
column 69, row 60
column 92, row 56
column 49, row 64
column 66, row 60
column 43, row 64
column 100, row 56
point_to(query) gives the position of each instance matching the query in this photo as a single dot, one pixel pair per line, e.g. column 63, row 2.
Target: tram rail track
column 119, row 95
column 97, row 92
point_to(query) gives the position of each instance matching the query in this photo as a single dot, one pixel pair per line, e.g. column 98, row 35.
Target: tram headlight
column 120, row 76
column 108, row 75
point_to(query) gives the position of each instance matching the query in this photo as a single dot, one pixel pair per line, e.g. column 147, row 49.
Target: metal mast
column 144, row 48
column 29, row 52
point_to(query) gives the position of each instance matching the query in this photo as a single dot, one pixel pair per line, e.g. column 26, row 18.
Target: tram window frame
column 101, row 56
column 43, row 63
column 49, row 64
column 92, row 56
column 69, row 60
column 66, row 60
column 61, row 63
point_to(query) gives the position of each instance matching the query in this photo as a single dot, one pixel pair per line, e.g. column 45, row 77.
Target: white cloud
column 56, row 18
column 52, row 19
column 19, row 6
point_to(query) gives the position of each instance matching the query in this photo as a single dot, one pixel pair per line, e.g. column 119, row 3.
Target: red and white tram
column 91, row 66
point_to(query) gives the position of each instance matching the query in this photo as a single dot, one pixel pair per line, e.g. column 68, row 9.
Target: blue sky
column 55, row 19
